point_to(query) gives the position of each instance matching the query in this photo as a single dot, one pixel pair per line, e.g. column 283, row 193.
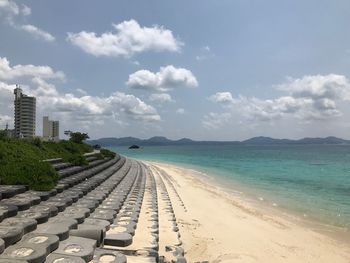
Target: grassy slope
column 21, row 161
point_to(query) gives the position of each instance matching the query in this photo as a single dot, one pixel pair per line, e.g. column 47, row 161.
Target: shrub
column 77, row 159
column 3, row 135
column 24, row 169
column 99, row 156
column 107, row 153
column 37, row 142
column 73, row 148
column 21, row 161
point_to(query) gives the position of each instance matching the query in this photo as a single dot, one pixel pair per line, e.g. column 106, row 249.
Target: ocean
column 311, row 180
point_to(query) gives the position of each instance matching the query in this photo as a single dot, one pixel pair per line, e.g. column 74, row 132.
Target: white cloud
column 130, row 38
column 26, row 11
column 81, row 91
column 330, row 86
column 87, row 108
column 6, row 104
column 134, row 107
column 215, row 120
column 166, row 79
column 82, row 109
column 9, row 8
column 222, row 97
column 6, row 87
column 12, row 12
column 91, row 107
column 8, row 72
column 160, row 98
column 4, row 119
column 205, row 53
column 38, row 33
column 180, row 111
column 310, row 98
column 43, row 89
column 206, row 48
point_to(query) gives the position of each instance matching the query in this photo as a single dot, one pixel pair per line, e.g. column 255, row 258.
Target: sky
column 201, row 69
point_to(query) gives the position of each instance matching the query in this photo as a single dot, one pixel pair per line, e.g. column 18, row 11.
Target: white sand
column 219, row 227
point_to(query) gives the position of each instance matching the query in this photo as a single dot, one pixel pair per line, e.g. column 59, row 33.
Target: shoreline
column 259, row 213
column 245, row 194
column 262, row 200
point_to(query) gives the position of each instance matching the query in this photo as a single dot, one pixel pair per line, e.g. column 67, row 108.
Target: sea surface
column 312, row 180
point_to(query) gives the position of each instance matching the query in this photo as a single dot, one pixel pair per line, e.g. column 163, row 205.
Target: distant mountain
column 327, row 140
column 159, row 140
column 185, row 141
column 266, row 140
column 270, row 141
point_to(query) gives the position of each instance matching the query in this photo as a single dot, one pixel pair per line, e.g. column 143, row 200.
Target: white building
column 25, row 114
column 51, row 129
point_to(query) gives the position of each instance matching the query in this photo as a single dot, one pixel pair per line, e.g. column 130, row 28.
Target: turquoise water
column 311, row 180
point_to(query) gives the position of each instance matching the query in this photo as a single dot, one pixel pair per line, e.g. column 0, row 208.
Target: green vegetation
column 21, row 161
column 67, row 149
column 3, row 135
column 77, row 159
column 99, row 156
column 107, row 153
column 78, row 137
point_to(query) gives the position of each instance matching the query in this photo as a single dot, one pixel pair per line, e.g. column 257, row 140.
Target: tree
column 78, row 137
column 67, row 133
column 3, row 135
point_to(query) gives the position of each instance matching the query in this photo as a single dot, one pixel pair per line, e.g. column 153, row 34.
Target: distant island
column 134, row 146
column 163, row 141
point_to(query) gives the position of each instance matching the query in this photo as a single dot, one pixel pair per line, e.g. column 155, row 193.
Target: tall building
column 25, row 114
column 51, row 129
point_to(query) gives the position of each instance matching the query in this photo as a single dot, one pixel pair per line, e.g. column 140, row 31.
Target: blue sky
column 216, row 70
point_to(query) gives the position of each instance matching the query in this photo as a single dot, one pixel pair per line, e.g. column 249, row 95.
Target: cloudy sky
column 203, row 69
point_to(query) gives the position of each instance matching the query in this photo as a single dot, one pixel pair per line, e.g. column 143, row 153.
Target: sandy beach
column 217, row 226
